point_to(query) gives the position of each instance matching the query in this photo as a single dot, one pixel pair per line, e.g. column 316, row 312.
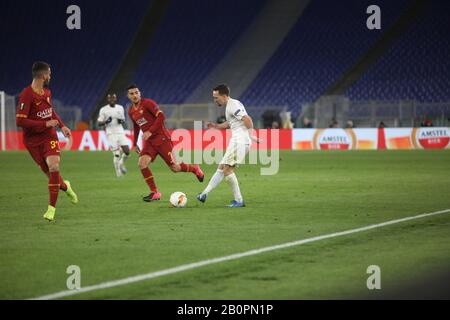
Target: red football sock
column 53, row 187
column 148, row 177
column 62, row 185
column 187, row 167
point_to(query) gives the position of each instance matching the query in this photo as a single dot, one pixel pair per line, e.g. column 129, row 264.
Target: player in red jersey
column 38, row 120
column 147, row 117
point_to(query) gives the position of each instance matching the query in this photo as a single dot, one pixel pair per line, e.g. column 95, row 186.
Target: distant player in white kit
column 241, row 125
column 112, row 116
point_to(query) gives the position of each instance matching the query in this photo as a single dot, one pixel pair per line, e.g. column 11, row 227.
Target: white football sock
column 214, row 182
column 234, row 184
column 116, row 161
column 123, row 157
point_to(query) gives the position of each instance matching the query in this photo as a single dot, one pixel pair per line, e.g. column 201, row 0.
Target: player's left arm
column 65, row 130
column 101, row 121
column 240, row 113
column 121, row 120
column 248, row 122
column 159, row 119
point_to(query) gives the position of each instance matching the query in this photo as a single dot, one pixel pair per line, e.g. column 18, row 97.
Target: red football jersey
column 33, row 111
column 148, row 117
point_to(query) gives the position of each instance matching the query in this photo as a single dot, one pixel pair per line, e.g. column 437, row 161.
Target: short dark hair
column 39, row 67
column 132, row 86
column 223, row 89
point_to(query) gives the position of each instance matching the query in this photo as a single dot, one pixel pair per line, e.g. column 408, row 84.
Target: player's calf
column 175, row 168
column 194, row 168
column 125, row 153
column 53, row 179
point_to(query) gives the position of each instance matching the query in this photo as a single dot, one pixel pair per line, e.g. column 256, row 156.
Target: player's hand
column 146, row 135
column 121, row 121
column 109, row 120
column 66, row 132
column 138, row 151
column 211, row 125
column 51, row 123
column 257, row 140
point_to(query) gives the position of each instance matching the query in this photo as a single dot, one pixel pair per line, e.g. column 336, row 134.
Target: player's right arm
column 23, row 111
column 121, row 120
column 154, row 109
column 136, row 130
column 223, row 125
column 102, row 121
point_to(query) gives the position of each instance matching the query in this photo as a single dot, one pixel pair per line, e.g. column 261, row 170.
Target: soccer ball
column 178, row 199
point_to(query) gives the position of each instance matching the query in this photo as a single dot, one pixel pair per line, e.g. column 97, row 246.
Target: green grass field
column 112, row 234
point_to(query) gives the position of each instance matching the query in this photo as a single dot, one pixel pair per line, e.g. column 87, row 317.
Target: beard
column 46, row 83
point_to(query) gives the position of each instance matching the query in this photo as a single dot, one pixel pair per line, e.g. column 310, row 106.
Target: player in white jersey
column 241, row 126
column 112, row 116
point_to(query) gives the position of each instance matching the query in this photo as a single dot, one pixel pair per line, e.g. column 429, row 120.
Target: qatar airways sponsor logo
column 432, row 138
column 141, row 122
column 45, row 113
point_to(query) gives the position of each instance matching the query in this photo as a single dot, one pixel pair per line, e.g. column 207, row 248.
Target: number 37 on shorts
column 54, row 144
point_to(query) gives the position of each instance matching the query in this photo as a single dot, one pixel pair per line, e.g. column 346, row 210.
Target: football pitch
column 112, row 234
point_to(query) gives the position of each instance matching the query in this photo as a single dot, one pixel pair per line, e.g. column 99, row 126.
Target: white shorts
column 116, row 140
column 235, row 153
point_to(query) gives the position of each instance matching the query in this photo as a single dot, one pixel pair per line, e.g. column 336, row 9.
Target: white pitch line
column 190, row 266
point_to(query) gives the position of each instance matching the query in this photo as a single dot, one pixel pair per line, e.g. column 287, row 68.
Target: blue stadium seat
column 191, row 40
column 327, row 40
column 83, row 61
column 416, row 67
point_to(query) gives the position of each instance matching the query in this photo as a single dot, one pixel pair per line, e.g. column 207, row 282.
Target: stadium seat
column 416, row 67
column 318, row 50
column 83, row 61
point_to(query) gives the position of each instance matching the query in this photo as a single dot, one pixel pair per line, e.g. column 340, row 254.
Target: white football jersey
column 115, row 113
column 234, row 112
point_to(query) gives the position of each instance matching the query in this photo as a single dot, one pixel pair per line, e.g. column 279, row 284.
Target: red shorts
column 162, row 146
column 47, row 148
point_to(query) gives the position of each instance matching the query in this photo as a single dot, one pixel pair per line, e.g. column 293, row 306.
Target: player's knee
column 52, row 167
column 143, row 163
column 175, row 168
column 227, row 170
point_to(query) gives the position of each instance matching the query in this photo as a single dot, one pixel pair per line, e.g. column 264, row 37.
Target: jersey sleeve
column 136, row 128
column 24, row 105
column 23, row 111
column 122, row 113
column 238, row 111
column 153, row 108
column 101, row 116
column 56, row 116
column 158, row 114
